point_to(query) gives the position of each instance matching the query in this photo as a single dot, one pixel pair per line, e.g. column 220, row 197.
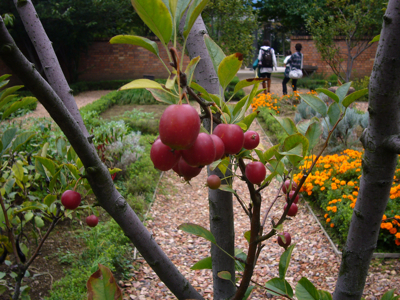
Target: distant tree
column 232, row 23
column 354, row 21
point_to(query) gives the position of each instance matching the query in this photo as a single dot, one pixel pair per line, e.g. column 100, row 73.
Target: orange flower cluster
column 329, row 181
column 266, row 100
column 393, row 226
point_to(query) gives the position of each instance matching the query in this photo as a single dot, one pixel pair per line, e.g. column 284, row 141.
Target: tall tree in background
column 231, row 23
column 354, row 21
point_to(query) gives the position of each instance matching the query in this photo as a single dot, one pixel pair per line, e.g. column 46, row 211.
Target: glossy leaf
column 302, row 126
column 279, row 287
column 313, row 135
column 197, row 230
column 28, row 216
column 248, row 292
column 227, row 188
column 205, row 263
column 342, row 91
column 330, row 94
column 190, row 69
column 155, row 14
column 171, row 80
column 224, row 275
column 317, row 104
column 195, row 9
column 8, row 136
column 137, row 41
column 4, row 77
column 389, row 295
column 276, row 166
column 142, row 84
column 102, row 285
column 21, row 139
column 247, row 235
column 246, row 82
column 353, row 97
column 178, row 8
column 164, row 96
column 18, row 104
column 260, row 155
column 7, row 99
column 47, row 163
column 74, row 171
column 297, row 151
column 287, row 124
column 228, row 68
column 284, row 261
column 18, row 170
column 305, row 290
column 293, row 140
column 324, row 295
column 53, row 181
column 39, row 221
column 49, row 199
column 375, row 39
column 271, row 152
column 8, row 92
column 334, row 113
column 248, row 120
column 215, row 52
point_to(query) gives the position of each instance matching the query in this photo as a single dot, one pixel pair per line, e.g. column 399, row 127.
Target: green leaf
column 223, row 166
column 9, row 185
column 71, row 154
column 39, row 221
column 353, row 97
column 313, row 135
column 102, row 285
column 6, row 100
column 170, row 84
column 324, row 295
column 287, row 124
column 224, row 275
column 198, row 230
column 21, row 139
column 330, row 94
column 190, row 69
column 317, row 104
column 8, row 136
column 74, row 171
column 375, row 39
column 215, row 52
column 293, row 140
column 260, row 155
column 142, row 84
column 296, row 151
column 201, row 90
column 242, row 125
column 177, row 8
column 238, row 107
column 19, row 104
column 8, row 92
column 268, row 154
column 248, row 292
column 227, row 188
column 155, row 14
column 389, row 295
column 54, row 180
column 164, row 96
column 48, row 164
column 246, row 82
column 228, row 68
column 61, row 147
column 137, row 41
column 334, row 113
column 276, row 166
column 284, row 261
column 249, row 119
column 279, row 287
column 305, row 290
column 49, row 199
column 4, row 77
column 205, row 263
column 28, row 216
column 342, row 91
column 18, row 170
column 247, row 236
column 195, row 9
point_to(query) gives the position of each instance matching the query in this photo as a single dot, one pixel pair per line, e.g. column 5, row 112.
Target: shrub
column 278, row 135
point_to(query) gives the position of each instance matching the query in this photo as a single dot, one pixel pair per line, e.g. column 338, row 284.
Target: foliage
column 230, row 88
column 137, row 120
column 355, row 21
column 231, row 23
column 83, row 86
column 362, row 83
column 272, row 125
column 333, row 187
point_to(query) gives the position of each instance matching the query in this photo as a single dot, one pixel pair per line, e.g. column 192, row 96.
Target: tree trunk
column 97, row 174
column 48, row 58
column 381, row 144
column 221, row 206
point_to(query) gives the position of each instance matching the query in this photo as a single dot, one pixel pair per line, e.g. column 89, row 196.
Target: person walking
column 296, row 62
column 267, row 63
column 288, row 54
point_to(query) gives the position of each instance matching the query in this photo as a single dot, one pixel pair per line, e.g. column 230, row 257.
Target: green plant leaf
column 324, row 295
column 102, row 285
column 389, row 295
column 227, row 188
column 74, row 171
column 305, row 290
column 375, row 39
column 7, row 137
column 39, row 221
column 248, row 292
column 303, row 125
column 53, row 181
column 48, row 164
column 205, row 263
column 223, row 166
column 224, row 275
column 260, row 155
column 215, row 52
column 49, row 199
column 317, row 104
column 228, row 68
column 313, row 135
column 246, row 82
column 18, row 104
column 28, row 216
column 287, row 124
column 284, row 261
column 198, row 230
column 4, row 77
column 293, row 140
column 177, row 8
column 330, row 94
column 296, row 151
column 190, row 69
column 8, row 92
column 247, row 235
column 353, row 97
column 276, row 166
column 21, row 139
column 142, row 84
column 6, row 100
column 334, row 113
column 164, row 96
column 279, row 287
column 342, row 91
column 137, row 41
column 18, row 170
column 242, row 125
column 249, row 119
column 195, row 9
column 268, row 154
column 155, row 14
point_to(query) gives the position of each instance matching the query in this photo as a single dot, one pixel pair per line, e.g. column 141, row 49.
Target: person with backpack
column 267, row 62
column 296, row 63
column 288, row 54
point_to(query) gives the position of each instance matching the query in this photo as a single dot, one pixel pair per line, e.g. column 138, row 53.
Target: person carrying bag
column 296, row 66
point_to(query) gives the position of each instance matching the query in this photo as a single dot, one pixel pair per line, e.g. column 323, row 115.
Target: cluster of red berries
column 71, row 200
column 289, row 188
column 183, row 148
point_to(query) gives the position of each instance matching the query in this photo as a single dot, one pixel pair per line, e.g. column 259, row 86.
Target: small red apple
column 255, row 172
column 213, row 182
column 163, row 157
column 291, row 193
column 219, row 146
column 232, row 136
column 286, row 186
column 292, row 210
column 251, row 140
column 92, row 221
column 188, row 172
column 288, row 240
column 71, row 199
column 201, row 153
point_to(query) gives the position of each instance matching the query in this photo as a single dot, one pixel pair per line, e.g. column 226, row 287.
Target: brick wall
column 362, row 66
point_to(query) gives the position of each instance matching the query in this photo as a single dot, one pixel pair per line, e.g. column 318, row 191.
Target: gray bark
column 98, row 176
column 220, row 202
column 48, row 59
column 379, row 160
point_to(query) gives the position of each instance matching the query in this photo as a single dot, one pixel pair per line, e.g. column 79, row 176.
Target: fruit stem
column 76, row 184
column 175, row 58
column 211, row 120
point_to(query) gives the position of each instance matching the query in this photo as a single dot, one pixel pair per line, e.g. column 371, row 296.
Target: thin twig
column 270, row 207
column 242, row 204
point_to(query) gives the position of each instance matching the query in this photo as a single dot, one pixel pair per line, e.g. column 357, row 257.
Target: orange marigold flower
column 334, row 209
column 393, row 230
column 397, row 235
column 328, row 220
column 325, row 216
column 322, row 188
column 397, row 241
column 332, row 225
column 343, row 182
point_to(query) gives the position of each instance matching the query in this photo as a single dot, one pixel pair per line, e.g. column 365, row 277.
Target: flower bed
column 333, row 187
